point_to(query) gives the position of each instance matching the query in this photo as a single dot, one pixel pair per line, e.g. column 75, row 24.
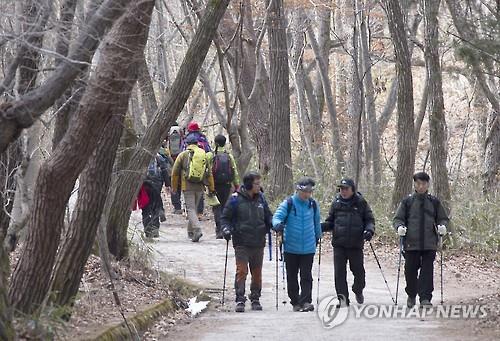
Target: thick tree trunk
column 405, row 124
column 437, row 121
column 147, row 91
column 279, row 102
column 129, row 182
column 30, row 280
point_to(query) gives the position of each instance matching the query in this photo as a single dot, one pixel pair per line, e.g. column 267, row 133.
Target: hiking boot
column 360, row 298
column 190, row 235
column 256, row 305
column 308, row 307
column 240, row 307
column 196, row 237
column 425, row 304
column 162, row 217
column 177, row 211
column 297, row 307
column 219, row 236
column 155, row 234
column 342, row 304
column 410, row 302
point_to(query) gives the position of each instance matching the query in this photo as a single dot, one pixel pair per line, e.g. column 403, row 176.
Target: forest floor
column 469, row 279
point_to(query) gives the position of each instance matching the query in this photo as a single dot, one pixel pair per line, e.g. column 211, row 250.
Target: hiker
column 352, row 223
column 193, row 129
column 152, row 213
column 420, row 220
column 247, row 218
column 192, row 170
column 225, row 175
column 175, row 144
column 298, row 218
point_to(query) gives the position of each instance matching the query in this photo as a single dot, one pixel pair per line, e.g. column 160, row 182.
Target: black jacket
column 348, row 221
column 248, row 219
column 420, row 213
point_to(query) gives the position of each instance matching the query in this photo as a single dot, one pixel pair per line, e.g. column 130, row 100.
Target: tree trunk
column 437, row 121
column 129, row 182
column 30, row 280
column 279, row 103
column 405, row 124
column 145, row 84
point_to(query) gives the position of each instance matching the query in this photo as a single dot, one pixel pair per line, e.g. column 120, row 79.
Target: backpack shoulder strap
column 314, row 205
column 234, row 207
column 407, row 202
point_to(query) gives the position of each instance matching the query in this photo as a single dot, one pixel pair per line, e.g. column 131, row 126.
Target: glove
column 226, row 233
column 441, row 229
column 325, row 227
column 367, row 235
column 279, row 227
column 402, row 230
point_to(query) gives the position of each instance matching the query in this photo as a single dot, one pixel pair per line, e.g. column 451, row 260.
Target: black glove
column 325, row 227
column 226, row 233
column 280, row 227
column 367, row 235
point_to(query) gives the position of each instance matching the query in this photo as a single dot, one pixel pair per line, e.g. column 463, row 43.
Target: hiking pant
column 295, row 263
column 223, row 192
column 192, row 199
column 200, row 206
column 176, row 199
column 355, row 257
column 248, row 257
column 423, row 283
column 151, row 213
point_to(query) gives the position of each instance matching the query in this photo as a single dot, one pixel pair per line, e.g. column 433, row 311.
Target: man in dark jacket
column 351, row 221
column 247, row 218
column 156, row 176
column 420, row 220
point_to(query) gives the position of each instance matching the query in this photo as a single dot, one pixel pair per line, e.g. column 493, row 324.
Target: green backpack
column 196, row 165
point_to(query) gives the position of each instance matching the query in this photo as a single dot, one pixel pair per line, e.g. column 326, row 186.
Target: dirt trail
column 203, row 264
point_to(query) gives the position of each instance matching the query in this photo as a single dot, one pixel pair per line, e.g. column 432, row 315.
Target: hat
column 347, row 183
column 191, row 139
column 193, row 126
column 305, row 184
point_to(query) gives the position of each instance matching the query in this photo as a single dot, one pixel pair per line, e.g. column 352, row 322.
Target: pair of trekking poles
column 401, row 242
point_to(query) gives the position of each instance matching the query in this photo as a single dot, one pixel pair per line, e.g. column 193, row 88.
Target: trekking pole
column 319, row 272
column 399, row 267
column 283, row 273
column 277, row 271
column 225, row 271
column 270, row 240
column 383, row 276
column 441, row 245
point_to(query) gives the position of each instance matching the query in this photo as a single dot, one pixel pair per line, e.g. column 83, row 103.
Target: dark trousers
column 355, row 257
column 223, row 192
column 151, row 213
column 247, row 257
column 423, row 283
column 176, row 199
column 295, row 264
column 201, row 205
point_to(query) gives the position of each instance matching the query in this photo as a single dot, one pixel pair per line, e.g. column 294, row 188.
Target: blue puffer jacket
column 303, row 227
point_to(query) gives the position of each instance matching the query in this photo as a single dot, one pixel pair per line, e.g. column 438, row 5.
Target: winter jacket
column 348, row 220
column 420, row 213
column 202, row 141
column 179, row 174
column 302, row 224
column 248, row 218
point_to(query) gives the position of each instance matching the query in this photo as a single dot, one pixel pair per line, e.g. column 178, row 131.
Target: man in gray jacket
column 420, row 220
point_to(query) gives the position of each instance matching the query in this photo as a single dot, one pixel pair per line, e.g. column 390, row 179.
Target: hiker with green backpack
column 225, row 174
column 298, row 219
column 191, row 172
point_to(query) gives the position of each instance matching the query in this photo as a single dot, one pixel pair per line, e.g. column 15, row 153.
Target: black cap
column 346, row 182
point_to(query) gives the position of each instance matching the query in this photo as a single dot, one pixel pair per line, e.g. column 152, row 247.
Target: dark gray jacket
column 420, row 213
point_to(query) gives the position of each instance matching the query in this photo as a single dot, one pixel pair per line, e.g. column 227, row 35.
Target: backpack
column 290, row 206
column 154, row 169
column 203, row 143
column 222, row 170
column 175, row 142
column 196, row 166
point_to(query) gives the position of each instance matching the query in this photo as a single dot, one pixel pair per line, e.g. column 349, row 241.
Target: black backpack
column 221, row 169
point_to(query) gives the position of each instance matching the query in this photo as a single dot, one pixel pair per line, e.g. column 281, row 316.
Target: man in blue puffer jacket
column 298, row 218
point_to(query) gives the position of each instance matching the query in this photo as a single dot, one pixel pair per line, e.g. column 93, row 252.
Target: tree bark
column 437, row 121
column 405, row 123
column 129, row 182
column 279, row 102
column 30, row 280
